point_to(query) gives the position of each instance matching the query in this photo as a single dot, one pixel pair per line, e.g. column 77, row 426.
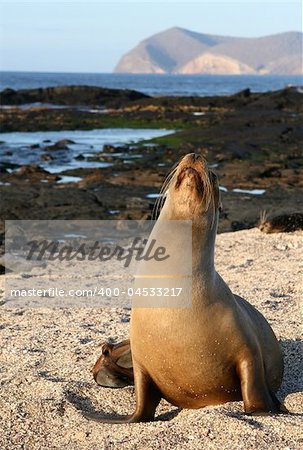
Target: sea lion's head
column 113, row 368
column 192, row 192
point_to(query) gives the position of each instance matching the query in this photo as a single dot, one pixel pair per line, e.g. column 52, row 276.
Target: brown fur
column 218, row 349
column 283, row 223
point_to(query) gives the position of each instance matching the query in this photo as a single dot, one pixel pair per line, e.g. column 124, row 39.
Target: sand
column 46, row 356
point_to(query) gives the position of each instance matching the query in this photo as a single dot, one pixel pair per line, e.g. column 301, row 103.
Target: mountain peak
column 178, row 50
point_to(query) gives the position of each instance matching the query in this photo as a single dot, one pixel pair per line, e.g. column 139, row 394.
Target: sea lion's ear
column 215, row 184
column 125, row 360
column 213, row 176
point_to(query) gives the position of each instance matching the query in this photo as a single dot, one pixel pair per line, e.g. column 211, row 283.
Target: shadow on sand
column 292, row 383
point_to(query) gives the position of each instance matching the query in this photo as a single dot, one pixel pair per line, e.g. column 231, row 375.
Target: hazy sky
column 91, row 36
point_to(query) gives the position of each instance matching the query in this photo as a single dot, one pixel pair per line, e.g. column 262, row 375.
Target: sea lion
column 217, row 350
column 283, row 223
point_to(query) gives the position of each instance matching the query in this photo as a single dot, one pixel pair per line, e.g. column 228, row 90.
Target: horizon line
column 144, row 74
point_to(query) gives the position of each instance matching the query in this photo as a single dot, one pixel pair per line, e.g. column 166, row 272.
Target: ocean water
column 153, row 84
column 23, row 148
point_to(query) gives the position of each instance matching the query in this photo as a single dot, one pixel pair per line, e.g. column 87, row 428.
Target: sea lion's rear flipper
column 257, row 397
column 113, row 368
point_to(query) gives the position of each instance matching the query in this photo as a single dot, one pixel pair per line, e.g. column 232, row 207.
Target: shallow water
column 244, row 191
column 250, row 191
column 153, row 196
column 68, row 179
column 17, row 147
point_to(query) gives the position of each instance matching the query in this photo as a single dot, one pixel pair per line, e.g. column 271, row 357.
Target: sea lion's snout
column 190, row 177
column 191, row 172
column 194, row 161
column 194, row 156
column 194, row 189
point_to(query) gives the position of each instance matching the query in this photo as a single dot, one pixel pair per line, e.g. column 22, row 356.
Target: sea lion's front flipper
column 257, row 397
column 147, row 400
column 147, row 396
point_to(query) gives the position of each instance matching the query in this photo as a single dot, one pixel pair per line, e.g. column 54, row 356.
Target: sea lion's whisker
column 160, row 204
column 263, row 216
column 168, row 179
column 160, row 200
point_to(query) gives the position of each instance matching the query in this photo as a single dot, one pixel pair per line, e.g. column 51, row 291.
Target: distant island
column 186, row 52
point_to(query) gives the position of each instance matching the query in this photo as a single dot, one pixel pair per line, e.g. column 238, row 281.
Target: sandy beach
column 46, row 358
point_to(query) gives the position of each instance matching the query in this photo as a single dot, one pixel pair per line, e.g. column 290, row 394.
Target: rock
column 95, row 177
column 46, row 157
column 32, row 174
column 245, row 93
column 8, row 165
column 270, row 172
column 64, row 142
column 60, row 145
column 221, row 157
column 102, row 157
column 135, row 202
column 239, row 154
column 236, row 225
column 70, row 95
column 29, row 170
column 109, row 148
column 80, row 157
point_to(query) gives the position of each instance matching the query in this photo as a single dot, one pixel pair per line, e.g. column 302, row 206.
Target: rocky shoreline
column 253, row 141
